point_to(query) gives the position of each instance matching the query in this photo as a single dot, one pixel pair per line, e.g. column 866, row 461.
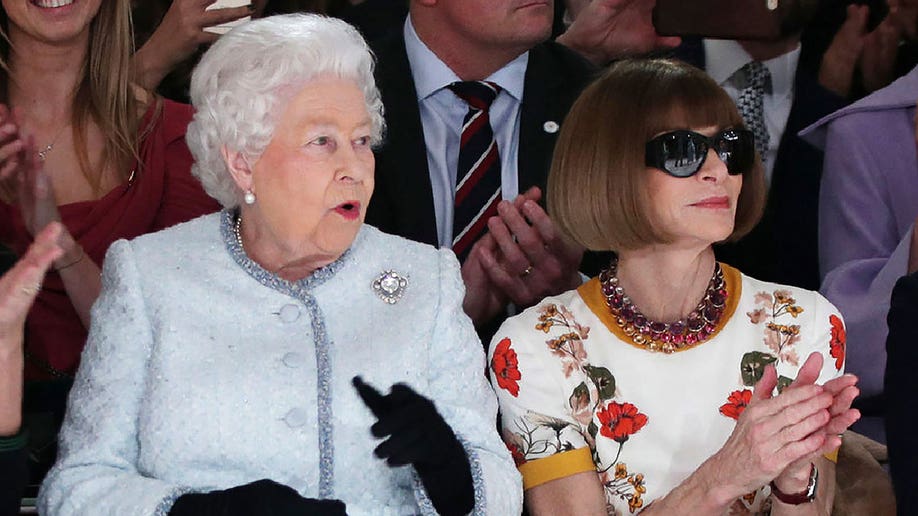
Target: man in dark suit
column 783, row 246
column 522, row 257
column 901, row 388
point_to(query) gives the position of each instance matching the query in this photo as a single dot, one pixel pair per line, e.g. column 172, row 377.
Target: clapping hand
column 841, row 416
column 521, row 259
column 260, row 498
column 415, row 433
column 776, row 437
column 20, row 285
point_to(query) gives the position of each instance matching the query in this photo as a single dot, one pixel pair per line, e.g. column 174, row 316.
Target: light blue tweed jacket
column 203, row 371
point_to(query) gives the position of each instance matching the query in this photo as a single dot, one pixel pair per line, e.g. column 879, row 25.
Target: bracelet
column 805, row 496
column 74, row 262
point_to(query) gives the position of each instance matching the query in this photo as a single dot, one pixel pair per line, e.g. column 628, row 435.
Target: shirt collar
column 724, row 57
column 430, row 74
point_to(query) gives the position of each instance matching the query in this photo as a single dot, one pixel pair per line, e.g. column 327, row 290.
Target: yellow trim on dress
column 539, row 471
column 832, row 455
column 591, row 293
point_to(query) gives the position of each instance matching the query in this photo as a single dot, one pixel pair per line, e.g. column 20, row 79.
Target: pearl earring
column 249, row 197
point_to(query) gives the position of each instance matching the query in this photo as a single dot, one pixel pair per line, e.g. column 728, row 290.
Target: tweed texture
column 204, row 371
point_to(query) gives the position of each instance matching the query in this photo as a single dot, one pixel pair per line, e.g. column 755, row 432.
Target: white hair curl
column 243, row 81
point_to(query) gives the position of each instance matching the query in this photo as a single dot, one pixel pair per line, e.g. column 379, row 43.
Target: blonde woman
column 110, row 161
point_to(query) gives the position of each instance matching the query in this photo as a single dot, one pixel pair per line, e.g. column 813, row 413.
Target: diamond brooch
column 390, row 286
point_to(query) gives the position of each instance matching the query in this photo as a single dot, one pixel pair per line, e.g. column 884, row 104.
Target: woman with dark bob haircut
column 670, row 383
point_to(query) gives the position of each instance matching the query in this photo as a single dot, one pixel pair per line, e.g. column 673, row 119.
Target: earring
column 249, row 197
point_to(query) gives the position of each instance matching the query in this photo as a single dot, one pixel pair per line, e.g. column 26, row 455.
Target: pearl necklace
column 236, row 228
column 655, row 336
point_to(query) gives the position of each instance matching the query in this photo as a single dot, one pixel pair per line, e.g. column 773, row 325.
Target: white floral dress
column 576, row 394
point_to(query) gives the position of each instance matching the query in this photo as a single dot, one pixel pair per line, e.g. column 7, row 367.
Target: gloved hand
column 260, row 498
column 418, row 435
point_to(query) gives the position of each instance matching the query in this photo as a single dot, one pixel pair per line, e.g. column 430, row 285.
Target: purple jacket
column 868, row 203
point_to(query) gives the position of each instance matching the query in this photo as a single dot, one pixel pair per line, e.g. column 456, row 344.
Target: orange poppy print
column 620, row 420
column 839, row 338
column 736, row 403
column 505, row 366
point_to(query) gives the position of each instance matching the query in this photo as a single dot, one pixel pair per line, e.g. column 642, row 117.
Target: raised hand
column 771, row 434
column 260, row 498
column 535, row 259
column 609, row 29
column 483, row 300
column 416, row 434
column 20, row 285
column 179, row 35
column 841, row 416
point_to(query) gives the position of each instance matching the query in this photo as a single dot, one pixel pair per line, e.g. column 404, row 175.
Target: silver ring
column 526, row 272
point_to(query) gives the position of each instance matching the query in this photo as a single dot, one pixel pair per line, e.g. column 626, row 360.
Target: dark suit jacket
column 403, row 200
column 783, row 248
column 901, row 390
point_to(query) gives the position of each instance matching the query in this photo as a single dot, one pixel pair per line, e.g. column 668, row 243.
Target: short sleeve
column 544, row 398
column 824, row 333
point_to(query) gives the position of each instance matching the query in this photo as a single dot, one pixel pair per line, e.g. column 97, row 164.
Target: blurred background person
column 285, row 296
column 867, row 213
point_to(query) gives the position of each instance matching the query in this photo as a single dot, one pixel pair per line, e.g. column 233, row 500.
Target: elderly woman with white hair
column 232, row 360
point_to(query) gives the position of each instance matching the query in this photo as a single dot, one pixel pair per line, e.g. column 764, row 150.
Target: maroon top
column 160, row 193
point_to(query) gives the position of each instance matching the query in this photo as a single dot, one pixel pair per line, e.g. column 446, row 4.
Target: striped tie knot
column 477, row 94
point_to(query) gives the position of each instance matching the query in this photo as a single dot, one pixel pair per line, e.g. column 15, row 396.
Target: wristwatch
column 805, row 496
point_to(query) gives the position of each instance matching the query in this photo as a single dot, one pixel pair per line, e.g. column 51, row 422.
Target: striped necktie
column 751, row 103
column 478, row 173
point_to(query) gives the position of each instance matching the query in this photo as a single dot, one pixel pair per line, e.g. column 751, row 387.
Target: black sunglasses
column 682, row 153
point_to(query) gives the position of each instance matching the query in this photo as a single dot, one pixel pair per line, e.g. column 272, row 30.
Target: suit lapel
column 402, row 177
column 542, row 94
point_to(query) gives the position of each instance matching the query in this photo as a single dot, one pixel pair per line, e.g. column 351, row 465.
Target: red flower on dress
column 839, row 338
column 505, row 367
column 518, row 458
column 620, row 420
column 736, row 403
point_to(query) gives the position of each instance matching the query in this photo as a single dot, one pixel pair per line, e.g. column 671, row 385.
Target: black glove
column 260, row 498
column 419, row 436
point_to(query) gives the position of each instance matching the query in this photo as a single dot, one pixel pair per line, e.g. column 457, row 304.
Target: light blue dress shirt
column 442, row 113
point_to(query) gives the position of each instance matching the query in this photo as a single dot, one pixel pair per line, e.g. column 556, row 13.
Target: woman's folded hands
column 415, row 433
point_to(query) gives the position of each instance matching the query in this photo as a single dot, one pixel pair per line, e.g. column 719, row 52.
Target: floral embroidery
column 736, row 403
column 780, row 338
column 505, row 365
column 623, row 485
column 839, row 338
column 569, row 345
column 620, row 420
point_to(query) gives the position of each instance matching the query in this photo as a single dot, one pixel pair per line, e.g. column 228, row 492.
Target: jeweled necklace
column 655, row 336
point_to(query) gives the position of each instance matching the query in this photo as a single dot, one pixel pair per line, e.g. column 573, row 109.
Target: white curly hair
column 244, row 80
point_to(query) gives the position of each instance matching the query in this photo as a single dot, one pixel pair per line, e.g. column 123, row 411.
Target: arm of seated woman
column 577, row 494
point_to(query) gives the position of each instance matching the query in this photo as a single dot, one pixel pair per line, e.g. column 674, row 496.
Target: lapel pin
column 550, row 127
column 390, row 286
